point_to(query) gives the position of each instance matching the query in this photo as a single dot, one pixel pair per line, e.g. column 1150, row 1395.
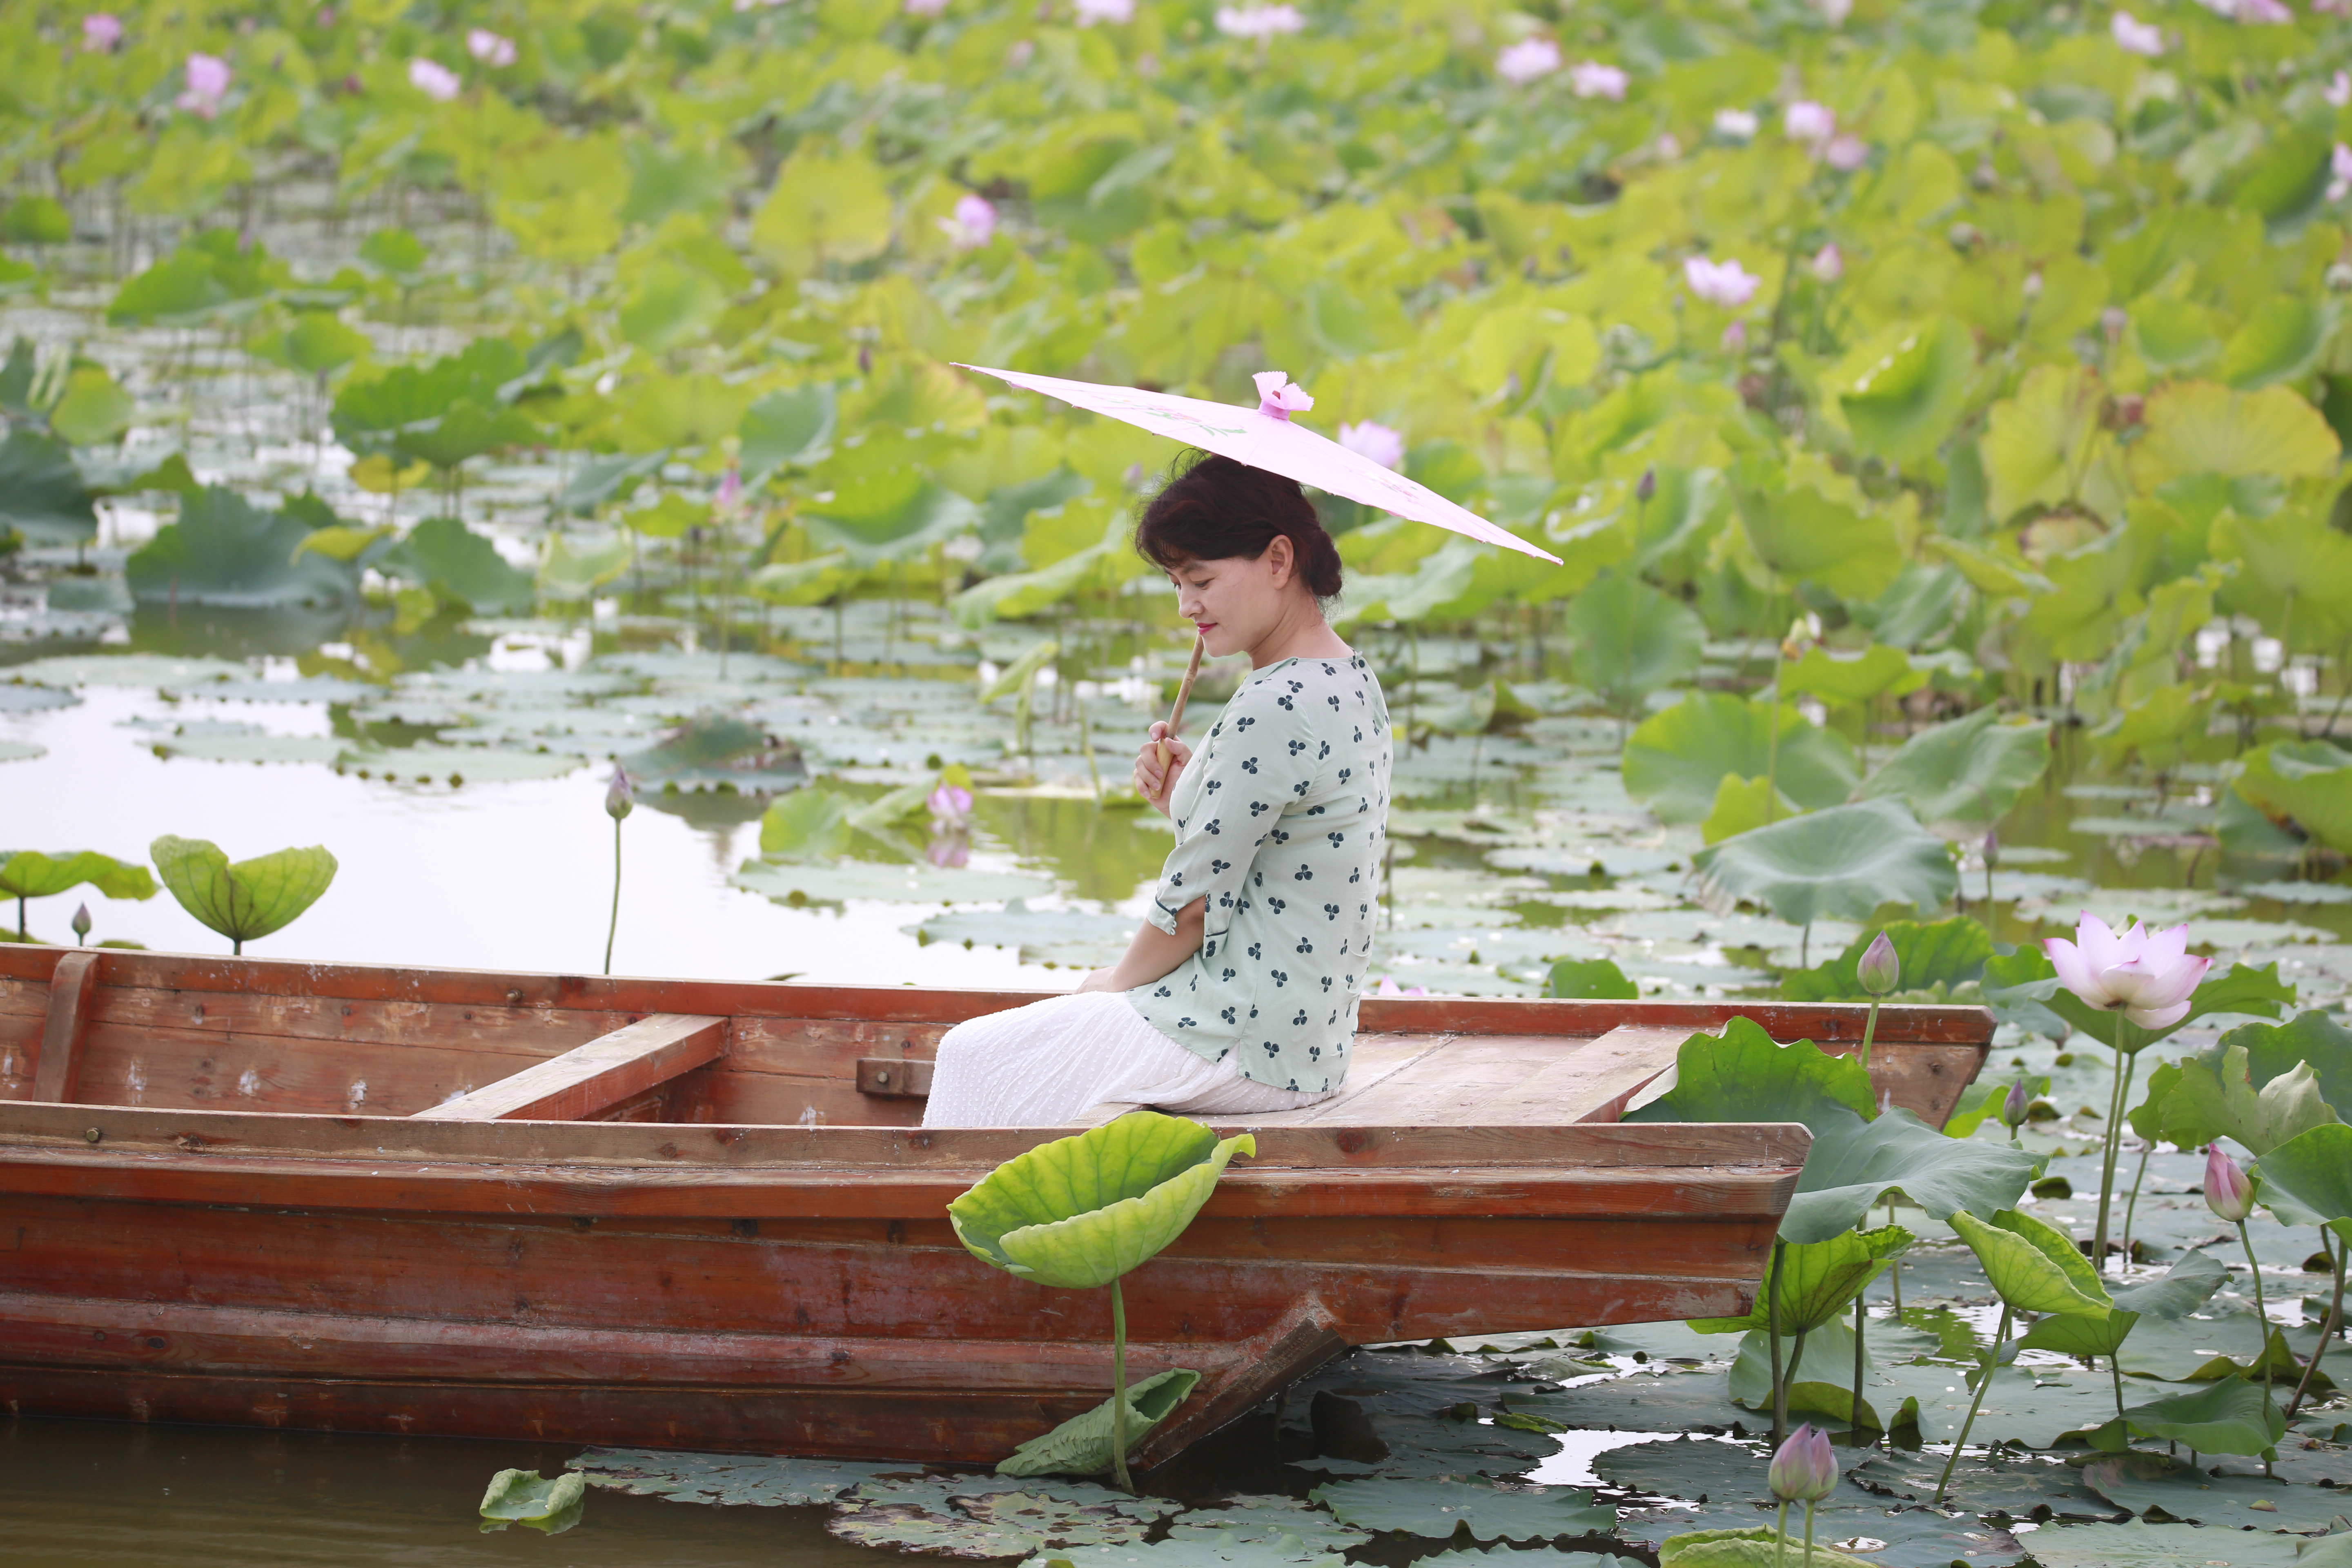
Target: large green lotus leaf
column 1998, row 574
column 2218, row 1100
column 2045, row 447
column 2313, row 1170
column 2229, row 1416
column 823, row 209
column 248, row 899
column 2203, row 428
column 42, row 494
column 1947, row 953
column 1599, row 979
column 1854, row 1164
column 1081, row 1211
column 2023, row 988
column 2294, row 574
column 1487, row 1510
column 1751, row 1547
column 371, row 411
column 2085, row 1334
column 317, row 344
column 1741, row 804
column 888, row 516
column 615, row 476
column 180, row 288
column 575, row 572
column 1630, row 640
column 2278, row 341
column 223, row 552
column 1961, row 777
column 2315, row 1038
column 1876, row 671
column 30, row 874
column 2138, row 1545
column 673, row 303
column 1674, row 761
column 94, row 410
column 1082, row 1444
column 2031, row 1267
column 525, row 1498
column 2190, row 1493
column 468, row 431
column 793, row 426
column 758, row 1480
column 444, row 555
column 1804, row 536
column 2309, row 782
column 2175, row 1294
column 1814, row 1281
column 1841, row 862
column 1744, row 1075
column 1903, row 400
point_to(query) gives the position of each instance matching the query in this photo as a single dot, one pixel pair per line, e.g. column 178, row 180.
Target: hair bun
column 1214, row 508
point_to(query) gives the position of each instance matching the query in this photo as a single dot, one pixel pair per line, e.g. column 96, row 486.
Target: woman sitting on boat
column 1238, row 994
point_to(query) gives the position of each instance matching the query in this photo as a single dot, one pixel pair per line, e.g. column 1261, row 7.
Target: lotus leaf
column 823, row 209
column 1081, row 1211
column 457, row 766
column 714, row 748
column 2306, row 782
column 1804, row 536
column 1598, row 978
column 1758, row 1547
column 1907, row 393
column 1743, row 804
column 2045, row 447
column 1193, row 1551
column 794, row 425
column 1503, row 1555
column 2313, row 1170
column 612, row 477
column 575, row 573
column 736, row 1480
column 42, row 494
column 2142, row 1483
column 1264, row 1521
column 444, row 555
column 2230, row 1415
column 2212, row 1100
column 1487, row 1510
column 30, row 874
column 525, row 1498
column 247, row 901
column 251, row 746
column 2200, row 427
column 889, row 516
column 1947, row 952
column 1961, row 777
column 1840, row 862
column 1082, row 1444
column 1876, row 671
column 2032, row 1267
column 2023, row 988
column 2137, row 1545
column 1812, row 1283
column 1675, row 760
column 1630, row 640
column 224, row 552
column 94, row 410
column 897, row 884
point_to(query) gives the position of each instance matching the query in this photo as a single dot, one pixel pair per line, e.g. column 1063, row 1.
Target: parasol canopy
column 1265, row 437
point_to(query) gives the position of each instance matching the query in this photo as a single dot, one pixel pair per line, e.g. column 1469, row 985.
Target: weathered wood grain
column 66, row 1030
column 594, row 1077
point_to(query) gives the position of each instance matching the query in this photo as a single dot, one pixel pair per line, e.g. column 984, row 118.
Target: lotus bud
column 730, row 491
column 2015, row 1107
column 1881, row 970
column 620, row 796
column 1648, row 486
column 1991, row 850
column 2227, row 1193
column 1805, row 1469
column 81, row 924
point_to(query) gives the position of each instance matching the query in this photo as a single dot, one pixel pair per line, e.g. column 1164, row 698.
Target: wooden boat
column 703, row 1214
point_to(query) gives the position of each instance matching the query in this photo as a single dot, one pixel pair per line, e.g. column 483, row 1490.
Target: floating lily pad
column 1488, row 1510
column 253, row 748
column 1069, row 936
column 23, row 697
column 908, row 884
column 1898, row 1537
column 309, row 688
column 1265, row 1521
column 736, row 1480
column 429, row 763
column 992, row 1516
column 1503, row 1555
column 2142, row 1482
column 20, row 751
column 2138, row 1545
column 148, row 669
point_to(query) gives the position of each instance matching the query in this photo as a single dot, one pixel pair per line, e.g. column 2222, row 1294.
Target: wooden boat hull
column 702, row 1282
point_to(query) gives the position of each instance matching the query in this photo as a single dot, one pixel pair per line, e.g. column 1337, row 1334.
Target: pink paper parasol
column 1264, row 437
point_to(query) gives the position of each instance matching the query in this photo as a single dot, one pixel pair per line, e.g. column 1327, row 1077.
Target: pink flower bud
column 491, row 48
column 2227, row 1190
column 433, row 79
column 1881, row 970
column 100, row 31
column 1828, row 263
column 620, row 796
column 1805, row 1469
column 2016, row 1104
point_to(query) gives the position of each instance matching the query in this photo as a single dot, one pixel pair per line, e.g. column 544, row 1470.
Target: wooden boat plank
column 1439, row 1087
column 65, row 1031
column 1589, row 1085
column 586, row 1080
column 191, row 1069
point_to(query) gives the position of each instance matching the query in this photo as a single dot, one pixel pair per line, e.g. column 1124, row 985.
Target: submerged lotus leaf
column 1082, row 1211
column 248, row 899
column 217, row 746
column 1194, row 1551
column 1838, row 863
column 763, row 1480
column 2228, row 1416
column 525, row 1498
column 1487, row 1510
column 1082, row 1445
column 1963, row 776
column 1814, row 1281
column 2138, row 1545
column 1675, row 760
column 992, row 1516
column 30, row 874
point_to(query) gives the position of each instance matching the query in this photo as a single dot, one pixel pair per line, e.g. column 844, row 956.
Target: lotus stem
column 1984, row 1380
column 1809, row 1532
column 2331, row 1325
column 1861, row 1317
column 1119, row 1391
column 613, row 926
column 2131, row 1209
column 2115, row 1373
column 1869, row 1032
column 2114, row 1150
column 1772, row 1329
column 1780, row 1536
column 2262, row 1333
column 1895, row 1274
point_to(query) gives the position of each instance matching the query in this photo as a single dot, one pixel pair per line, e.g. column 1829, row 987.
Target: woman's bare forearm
column 1153, row 954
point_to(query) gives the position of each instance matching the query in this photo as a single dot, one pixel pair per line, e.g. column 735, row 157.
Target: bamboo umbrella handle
column 1184, row 690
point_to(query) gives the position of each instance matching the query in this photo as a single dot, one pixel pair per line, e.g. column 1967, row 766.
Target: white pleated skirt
column 1052, row 1061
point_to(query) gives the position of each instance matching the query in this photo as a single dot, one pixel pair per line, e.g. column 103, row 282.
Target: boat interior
column 191, row 1032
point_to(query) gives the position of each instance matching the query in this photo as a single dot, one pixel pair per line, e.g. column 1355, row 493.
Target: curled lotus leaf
column 1814, row 1281
column 30, row 874
column 250, row 899
column 1082, row 1211
column 2032, row 1266
column 1082, row 1444
column 528, row 1499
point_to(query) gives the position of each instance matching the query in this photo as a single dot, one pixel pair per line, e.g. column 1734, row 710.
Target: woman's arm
column 1153, row 954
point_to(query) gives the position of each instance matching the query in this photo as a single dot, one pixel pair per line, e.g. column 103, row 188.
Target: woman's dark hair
column 1213, row 508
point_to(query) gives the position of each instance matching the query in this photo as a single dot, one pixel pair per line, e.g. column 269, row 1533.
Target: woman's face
column 1237, row 602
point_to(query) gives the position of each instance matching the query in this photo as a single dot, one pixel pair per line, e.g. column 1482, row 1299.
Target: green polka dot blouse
column 1281, row 820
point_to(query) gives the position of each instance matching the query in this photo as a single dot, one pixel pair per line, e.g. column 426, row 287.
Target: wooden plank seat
column 588, row 1080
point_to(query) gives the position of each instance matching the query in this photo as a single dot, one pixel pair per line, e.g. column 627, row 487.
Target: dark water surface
column 105, row 1494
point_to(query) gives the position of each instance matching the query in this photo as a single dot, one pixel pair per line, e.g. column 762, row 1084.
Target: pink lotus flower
column 2339, row 170
column 1590, row 78
column 2134, row 36
column 1846, row 153
column 1093, row 11
column 100, row 31
column 1736, row 123
column 1810, row 122
column 2263, row 13
column 1260, row 21
column 2146, row 975
column 1527, row 60
column 1735, row 339
column 1805, row 1469
column 951, row 808
column 208, row 80
column 1720, row 282
column 2227, row 1193
column 495, row 52
column 2338, row 91
column 1376, row 441
column 433, row 79
column 1828, row 263
column 1388, row 987
column 974, row 224
column 731, row 492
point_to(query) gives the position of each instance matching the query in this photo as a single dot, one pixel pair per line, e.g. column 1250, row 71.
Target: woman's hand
column 1152, row 781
